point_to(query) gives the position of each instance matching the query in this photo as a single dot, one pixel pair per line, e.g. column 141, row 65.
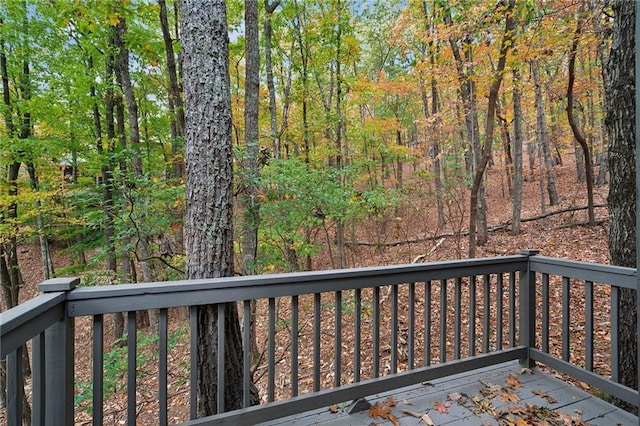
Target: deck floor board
column 550, row 393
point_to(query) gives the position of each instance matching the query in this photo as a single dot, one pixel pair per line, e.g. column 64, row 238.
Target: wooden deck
column 500, row 395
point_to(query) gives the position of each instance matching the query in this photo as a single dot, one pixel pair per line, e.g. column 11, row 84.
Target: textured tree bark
column 620, row 122
column 209, row 224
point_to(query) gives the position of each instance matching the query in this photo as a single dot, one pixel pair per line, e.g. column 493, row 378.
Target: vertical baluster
column 38, row 383
column 394, row 329
column 193, row 374
column 317, row 299
column 294, row 345
column 15, row 387
column 565, row 318
column 499, row 310
column 220, row 362
column 443, row 320
column 376, row 332
column 411, row 328
column 131, row 367
column 486, row 316
column 615, row 345
column 472, row 315
column 271, row 358
column 545, row 313
column 337, row 362
column 588, row 327
column 98, row 369
column 246, row 352
column 163, row 344
column 457, row 326
column 512, row 309
column 427, row 323
column 357, row 332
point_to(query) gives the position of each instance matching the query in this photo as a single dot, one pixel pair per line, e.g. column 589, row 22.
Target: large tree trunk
column 620, row 113
column 209, row 221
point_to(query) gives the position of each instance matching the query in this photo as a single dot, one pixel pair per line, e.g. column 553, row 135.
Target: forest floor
column 409, row 234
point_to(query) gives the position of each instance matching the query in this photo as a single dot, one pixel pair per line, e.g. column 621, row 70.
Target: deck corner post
column 59, row 360
column 527, row 309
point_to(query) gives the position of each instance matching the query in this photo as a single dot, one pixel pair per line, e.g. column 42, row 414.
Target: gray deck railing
column 389, row 327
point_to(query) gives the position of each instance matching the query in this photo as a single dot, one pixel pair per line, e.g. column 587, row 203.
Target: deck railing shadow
column 331, row 337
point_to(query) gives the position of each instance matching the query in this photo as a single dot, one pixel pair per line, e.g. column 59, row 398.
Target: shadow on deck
column 504, row 394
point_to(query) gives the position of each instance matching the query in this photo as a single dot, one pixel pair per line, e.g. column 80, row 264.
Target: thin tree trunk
column 340, row 246
column 45, row 254
column 176, row 109
column 543, row 138
column 248, row 196
column 270, row 7
column 577, row 132
column 507, row 42
column 516, row 197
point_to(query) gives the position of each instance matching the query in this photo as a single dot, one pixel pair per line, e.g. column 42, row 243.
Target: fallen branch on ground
column 466, row 232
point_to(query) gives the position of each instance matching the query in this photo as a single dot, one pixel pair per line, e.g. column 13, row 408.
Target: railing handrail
column 52, row 313
column 23, row 322
column 617, row 276
column 124, row 297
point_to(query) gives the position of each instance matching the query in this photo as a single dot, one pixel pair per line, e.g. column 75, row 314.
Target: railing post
column 527, row 308
column 59, row 360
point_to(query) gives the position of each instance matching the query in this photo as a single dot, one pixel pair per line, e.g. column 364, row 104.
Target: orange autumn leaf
column 440, row 407
column 379, row 410
column 394, row 420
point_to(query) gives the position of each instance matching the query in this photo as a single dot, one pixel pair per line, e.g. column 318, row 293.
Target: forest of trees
column 347, row 94
column 332, row 103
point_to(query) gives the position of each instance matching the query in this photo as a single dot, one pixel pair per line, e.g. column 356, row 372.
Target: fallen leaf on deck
column 411, row 413
column 379, row 410
column 440, row 407
column 507, row 396
column 526, row 371
column 394, row 420
column 334, row 408
column 513, row 382
column 490, row 390
column 390, row 402
column 425, row 418
column 454, row 396
column 584, row 385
